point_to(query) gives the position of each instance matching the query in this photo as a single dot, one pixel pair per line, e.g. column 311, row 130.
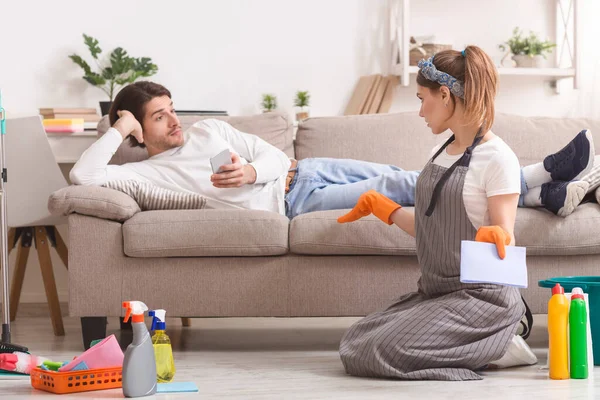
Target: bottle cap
column 557, row 289
column 577, row 293
column 159, row 320
column 135, row 308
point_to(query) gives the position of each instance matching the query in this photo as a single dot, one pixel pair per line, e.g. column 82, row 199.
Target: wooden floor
column 264, row 358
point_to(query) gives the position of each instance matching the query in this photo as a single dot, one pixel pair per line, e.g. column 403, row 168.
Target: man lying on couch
column 262, row 177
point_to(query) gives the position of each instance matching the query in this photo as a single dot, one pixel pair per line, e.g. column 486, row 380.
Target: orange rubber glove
column 374, row 203
column 496, row 235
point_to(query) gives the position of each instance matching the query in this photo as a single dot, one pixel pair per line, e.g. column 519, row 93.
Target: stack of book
column 89, row 116
column 56, row 125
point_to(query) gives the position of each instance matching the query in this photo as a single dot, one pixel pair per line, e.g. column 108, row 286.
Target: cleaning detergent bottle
column 578, row 335
column 165, row 365
column 139, row 368
column 558, row 317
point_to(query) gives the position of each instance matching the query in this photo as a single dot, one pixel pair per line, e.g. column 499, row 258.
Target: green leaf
column 122, row 70
column 269, row 102
column 302, row 99
column 143, row 67
column 120, row 61
column 125, row 80
column 92, row 45
column 94, row 79
column 530, row 45
column 107, row 73
column 81, row 62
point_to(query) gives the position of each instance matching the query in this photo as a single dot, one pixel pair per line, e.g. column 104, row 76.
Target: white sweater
column 187, row 168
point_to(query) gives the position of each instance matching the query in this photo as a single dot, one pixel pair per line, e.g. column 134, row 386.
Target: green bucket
column 591, row 286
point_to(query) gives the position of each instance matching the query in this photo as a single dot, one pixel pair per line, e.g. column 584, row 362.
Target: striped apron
column 446, row 330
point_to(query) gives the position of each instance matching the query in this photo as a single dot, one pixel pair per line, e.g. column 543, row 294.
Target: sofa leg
column 92, row 328
column 125, row 326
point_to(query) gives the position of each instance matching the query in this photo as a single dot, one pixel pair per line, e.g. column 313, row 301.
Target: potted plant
column 121, row 70
column 302, row 101
column 269, row 102
column 527, row 51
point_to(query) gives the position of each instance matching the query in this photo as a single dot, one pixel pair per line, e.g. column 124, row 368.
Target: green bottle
column 578, row 335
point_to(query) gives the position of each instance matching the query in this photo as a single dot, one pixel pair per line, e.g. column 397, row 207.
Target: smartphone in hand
column 221, row 159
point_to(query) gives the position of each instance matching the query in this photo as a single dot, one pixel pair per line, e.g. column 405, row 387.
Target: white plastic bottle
column 139, row 368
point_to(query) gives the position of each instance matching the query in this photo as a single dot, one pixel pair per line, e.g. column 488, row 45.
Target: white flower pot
column 525, row 61
column 302, row 113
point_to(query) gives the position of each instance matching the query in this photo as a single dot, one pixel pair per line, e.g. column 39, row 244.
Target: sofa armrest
column 93, row 201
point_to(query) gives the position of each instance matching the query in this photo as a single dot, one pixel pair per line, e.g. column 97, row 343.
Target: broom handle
column 4, row 232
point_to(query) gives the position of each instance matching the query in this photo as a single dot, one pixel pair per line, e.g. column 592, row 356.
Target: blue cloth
column 333, row 184
column 176, row 387
column 82, row 366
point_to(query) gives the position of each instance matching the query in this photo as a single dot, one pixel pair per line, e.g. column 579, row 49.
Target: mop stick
column 5, row 344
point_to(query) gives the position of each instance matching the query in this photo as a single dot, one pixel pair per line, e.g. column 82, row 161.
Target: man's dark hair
column 134, row 98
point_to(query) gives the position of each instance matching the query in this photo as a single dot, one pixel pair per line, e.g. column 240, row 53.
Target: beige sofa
column 223, row 263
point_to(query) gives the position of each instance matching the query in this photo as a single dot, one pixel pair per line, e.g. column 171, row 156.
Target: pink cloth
column 106, row 354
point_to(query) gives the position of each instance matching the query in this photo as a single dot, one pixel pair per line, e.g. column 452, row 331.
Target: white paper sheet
column 480, row 263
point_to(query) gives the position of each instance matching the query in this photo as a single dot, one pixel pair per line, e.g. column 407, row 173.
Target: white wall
column 211, row 54
column 489, row 23
column 224, row 54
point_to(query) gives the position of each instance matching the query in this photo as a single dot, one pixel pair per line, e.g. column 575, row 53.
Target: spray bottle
column 139, row 368
column 558, row 317
column 578, row 335
column 165, row 365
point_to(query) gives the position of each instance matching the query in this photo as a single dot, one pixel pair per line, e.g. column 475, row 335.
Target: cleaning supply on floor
column 578, row 335
column 163, row 353
column 139, row 365
column 177, row 387
column 105, row 354
column 591, row 290
column 51, row 365
column 558, row 317
column 11, row 348
column 19, row 362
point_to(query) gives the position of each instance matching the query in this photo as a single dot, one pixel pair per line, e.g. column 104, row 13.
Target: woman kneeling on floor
column 469, row 190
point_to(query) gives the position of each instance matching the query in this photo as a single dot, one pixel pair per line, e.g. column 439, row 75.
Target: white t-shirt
column 187, row 168
column 494, row 170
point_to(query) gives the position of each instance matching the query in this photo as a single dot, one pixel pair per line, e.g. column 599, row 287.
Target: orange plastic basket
column 77, row 381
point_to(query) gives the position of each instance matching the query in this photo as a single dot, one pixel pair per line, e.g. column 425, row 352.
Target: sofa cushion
column 152, row 197
column 533, row 138
column 320, row 233
column 94, row 201
column 401, row 139
column 543, row 233
column 273, row 127
column 205, row 233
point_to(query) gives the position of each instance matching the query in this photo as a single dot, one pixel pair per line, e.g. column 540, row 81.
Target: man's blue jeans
column 333, row 184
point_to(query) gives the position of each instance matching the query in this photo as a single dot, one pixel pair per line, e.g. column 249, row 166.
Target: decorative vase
column 302, row 114
column 525, row 61
column 105, row 107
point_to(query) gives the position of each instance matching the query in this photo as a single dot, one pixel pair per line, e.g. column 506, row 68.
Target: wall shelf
column 566, row 44
column 553, row 73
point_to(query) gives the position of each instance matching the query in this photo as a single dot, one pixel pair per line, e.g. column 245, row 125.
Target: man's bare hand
column 234, row 175
column 128, row 125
